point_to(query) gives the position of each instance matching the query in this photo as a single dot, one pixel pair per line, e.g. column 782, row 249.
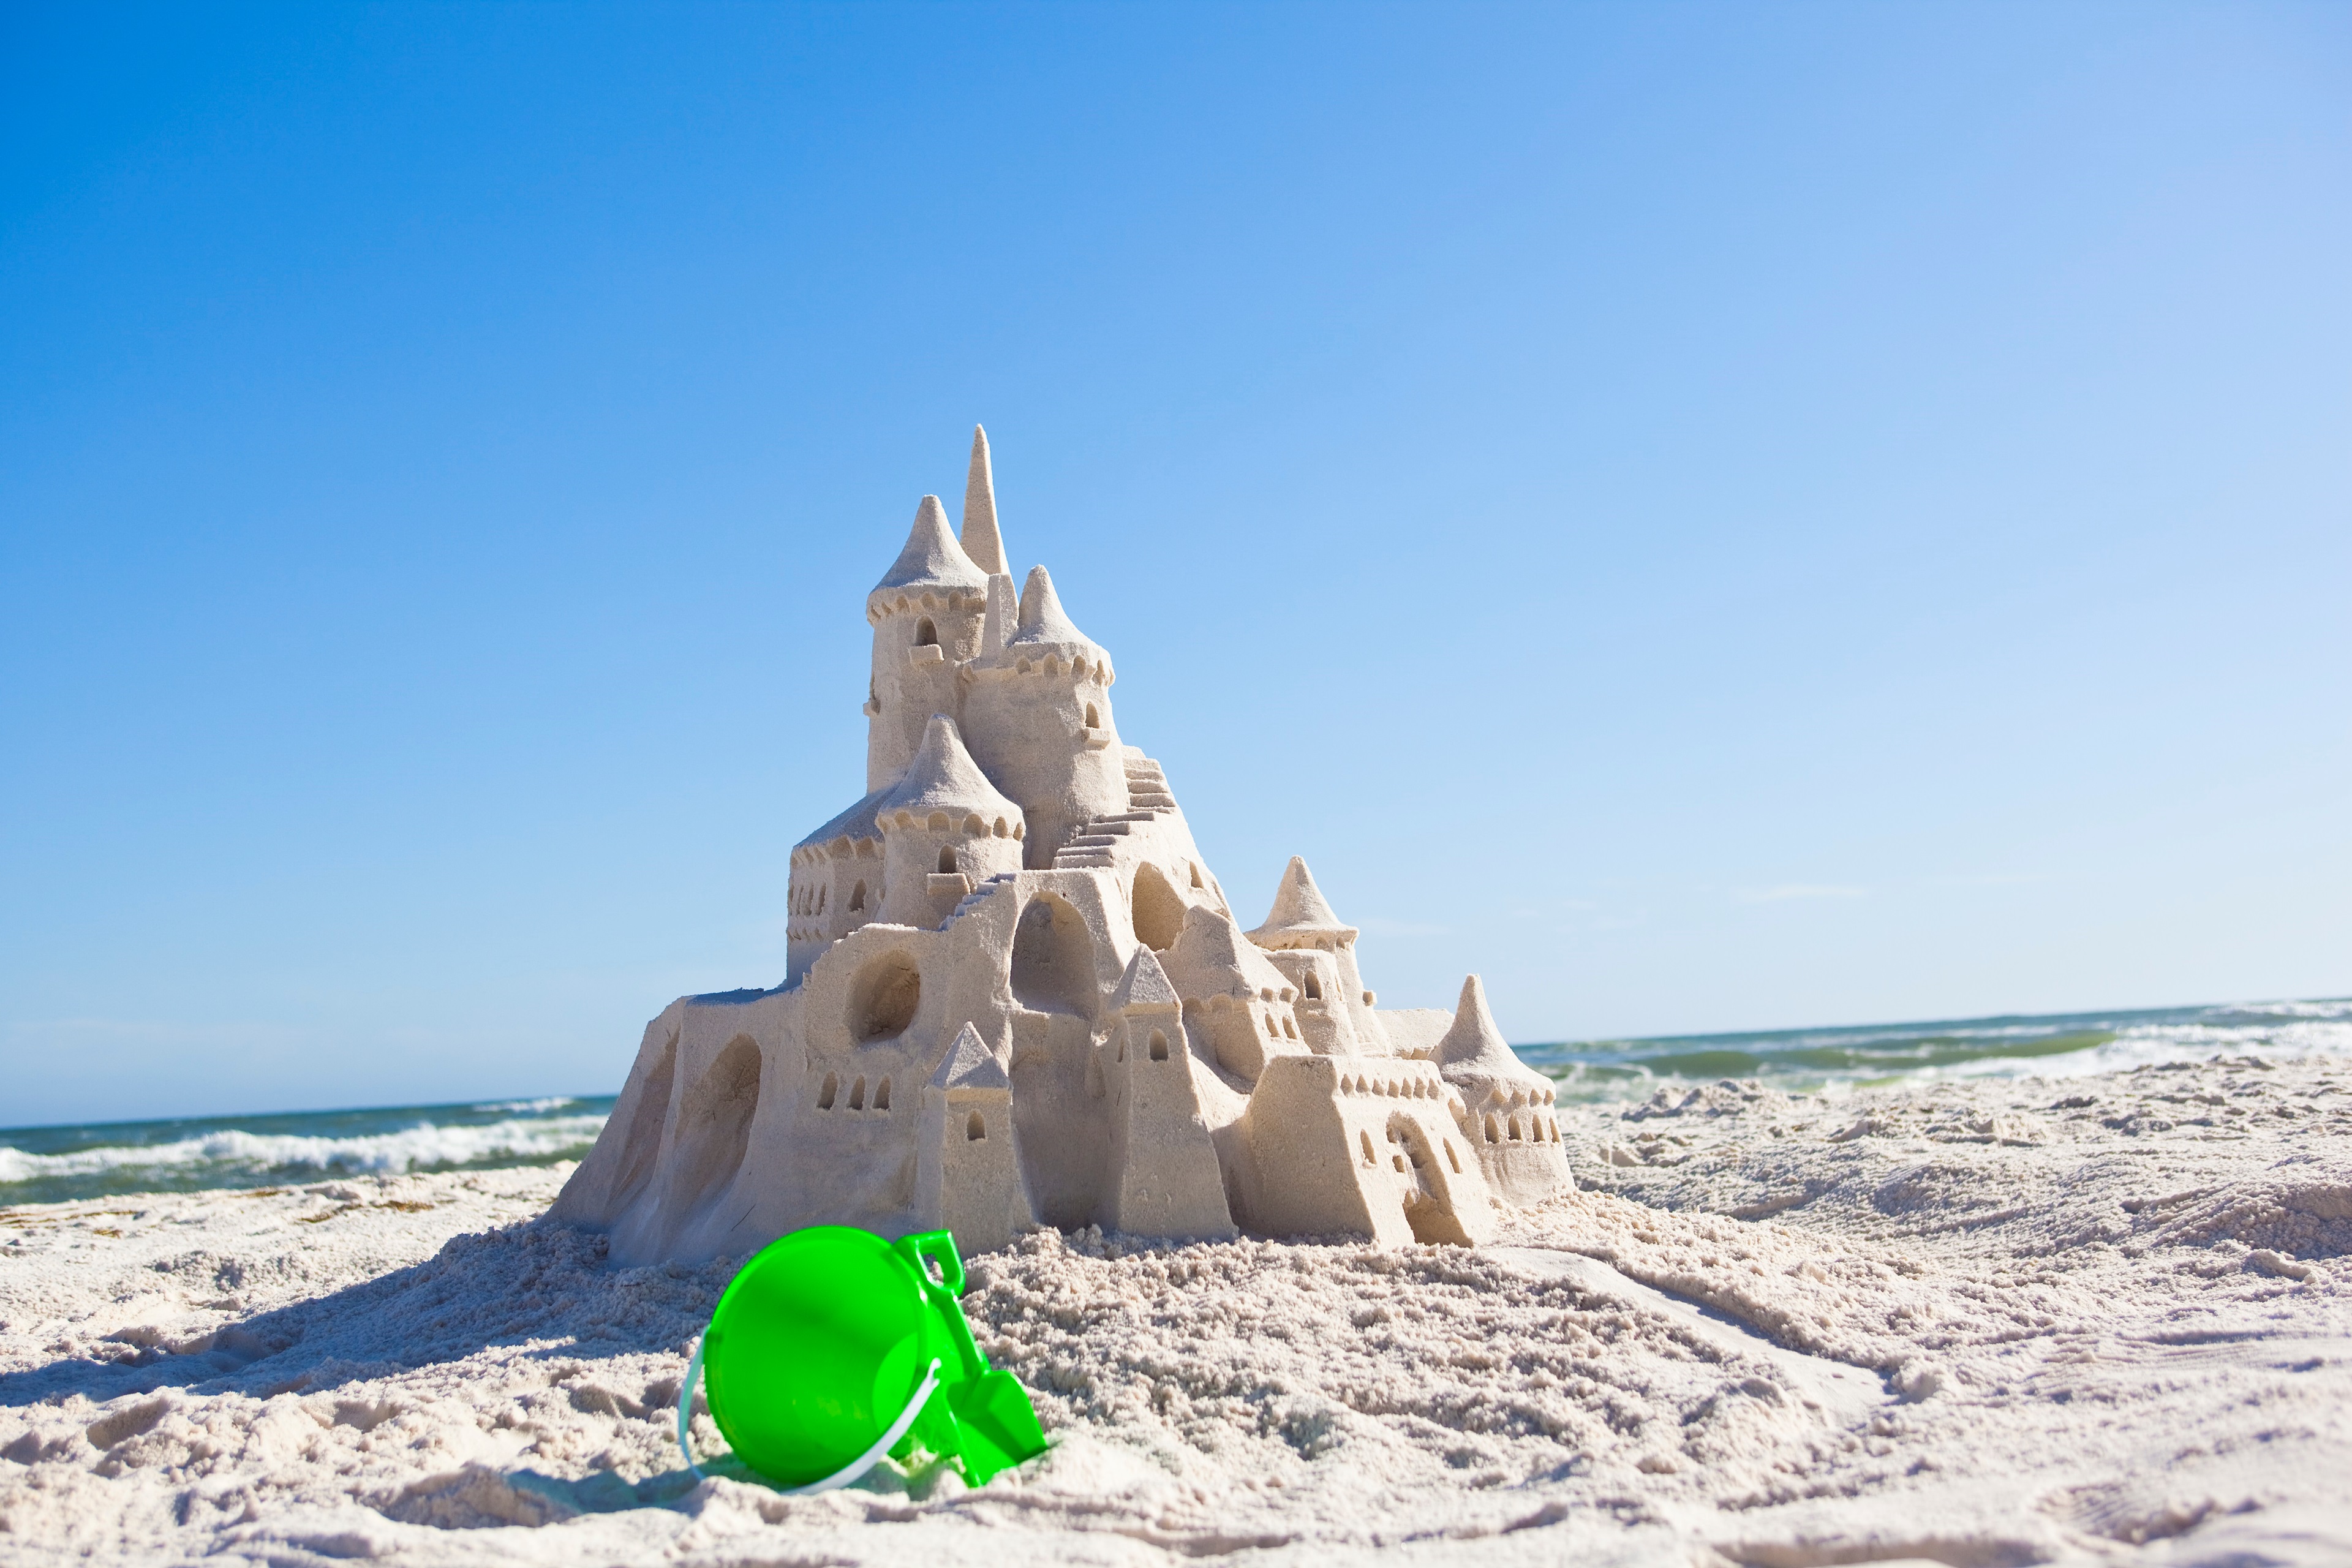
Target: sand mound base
column 2105, row 1344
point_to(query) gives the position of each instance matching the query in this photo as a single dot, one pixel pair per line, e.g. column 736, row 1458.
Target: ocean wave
column 1834, row 1060
column 2309, row 1034
column 231, row 1151
column 526, row 1107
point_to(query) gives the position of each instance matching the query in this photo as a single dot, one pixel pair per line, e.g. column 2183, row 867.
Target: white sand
column 2097, row 1321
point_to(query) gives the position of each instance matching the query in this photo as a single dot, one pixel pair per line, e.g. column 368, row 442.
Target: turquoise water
column 2055, row 1044
column 56, row 1165
column 53, row 1165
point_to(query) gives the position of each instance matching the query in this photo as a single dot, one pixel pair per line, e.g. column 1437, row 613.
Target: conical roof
column 981, row 542
column 943, row 777
column 970, row 1064
column 932, row 558
column 1043, row 623
column 1473, row 1050
column 1300, row 915
column 1145, row 984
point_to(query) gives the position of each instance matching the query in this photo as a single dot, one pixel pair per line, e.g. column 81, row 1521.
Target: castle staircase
column 988, row 885
column 1095, row 846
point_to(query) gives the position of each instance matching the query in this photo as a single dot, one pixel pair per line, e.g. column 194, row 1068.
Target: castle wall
column 910, row 678
column 1025, row 720
column 1162, row 1156
column 1516, row 1135
column 968, row 1175
column 919, row 892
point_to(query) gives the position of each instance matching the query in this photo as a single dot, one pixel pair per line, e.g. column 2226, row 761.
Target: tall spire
column 981, row 540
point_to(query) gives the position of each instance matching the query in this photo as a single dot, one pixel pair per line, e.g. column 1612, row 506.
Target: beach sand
column 1986, row 1323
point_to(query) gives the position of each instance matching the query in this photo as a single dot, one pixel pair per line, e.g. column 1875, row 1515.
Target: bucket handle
column 840, row 1478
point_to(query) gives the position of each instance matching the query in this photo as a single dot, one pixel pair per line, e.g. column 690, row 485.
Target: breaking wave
column 59, row 1163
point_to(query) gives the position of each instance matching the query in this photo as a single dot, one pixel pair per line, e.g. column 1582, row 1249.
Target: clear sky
column 1716, row 516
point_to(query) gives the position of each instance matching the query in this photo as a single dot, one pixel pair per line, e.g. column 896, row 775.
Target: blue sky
column 1714, row 517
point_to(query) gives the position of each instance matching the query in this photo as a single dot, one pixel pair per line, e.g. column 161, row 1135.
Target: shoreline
column 2099, row 1319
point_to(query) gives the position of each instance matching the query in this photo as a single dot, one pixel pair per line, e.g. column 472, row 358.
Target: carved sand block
column 1015, row 995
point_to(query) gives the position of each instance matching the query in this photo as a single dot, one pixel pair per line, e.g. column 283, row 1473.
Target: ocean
column 55, row 1164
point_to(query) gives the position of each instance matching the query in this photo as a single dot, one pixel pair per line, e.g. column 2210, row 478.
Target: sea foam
column 231, row 1153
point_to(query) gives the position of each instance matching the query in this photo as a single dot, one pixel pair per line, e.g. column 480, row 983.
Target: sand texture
column 2096, row 1320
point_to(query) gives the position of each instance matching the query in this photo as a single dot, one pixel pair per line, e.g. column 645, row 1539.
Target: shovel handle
column 938, row 1246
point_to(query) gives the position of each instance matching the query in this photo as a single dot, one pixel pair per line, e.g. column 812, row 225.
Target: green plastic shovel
column 833, row 1347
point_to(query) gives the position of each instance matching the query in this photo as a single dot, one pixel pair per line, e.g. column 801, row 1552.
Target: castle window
column 946, row 859
column 1002, row 831
column 1094, row 720
column 882, row 1095
column 832, row 1087
column 1314, row 988
column 1452, row 1158
column 1368, row 1146
column 1515, row 1130
column 1078, row 666
column 1273, row 1031
column 882, row 1002
column 926, row 634
column 972, row 825
column 1288, row 1031
column 940, row 822
column 1158, row 1046
column 858, row 897
column 1196, row 877
column 1554, row 1132
column 857, row 1097
column 1494, row 1134
column 974, row 1128
column 1017, row 828
column 820, row 899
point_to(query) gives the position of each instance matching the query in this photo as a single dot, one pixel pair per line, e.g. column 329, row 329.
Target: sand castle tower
column 967, row 1168
column 1507, row 1105
column 1015, row 994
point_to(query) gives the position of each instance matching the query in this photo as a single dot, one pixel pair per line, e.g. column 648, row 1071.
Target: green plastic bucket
column 833, row 1347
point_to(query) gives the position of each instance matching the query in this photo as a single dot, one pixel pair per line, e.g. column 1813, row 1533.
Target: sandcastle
column 1015, row 995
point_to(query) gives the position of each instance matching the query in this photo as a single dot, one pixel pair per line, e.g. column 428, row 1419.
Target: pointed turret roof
column 1472, row 1051
column 1301, row 916
column 970, row 1064
column 943, row 777
column 1145, row 984
column 981, row 542
column 1043, row 623
column 932, row 558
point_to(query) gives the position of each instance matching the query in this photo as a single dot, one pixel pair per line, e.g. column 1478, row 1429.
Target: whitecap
column 233, row 1151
